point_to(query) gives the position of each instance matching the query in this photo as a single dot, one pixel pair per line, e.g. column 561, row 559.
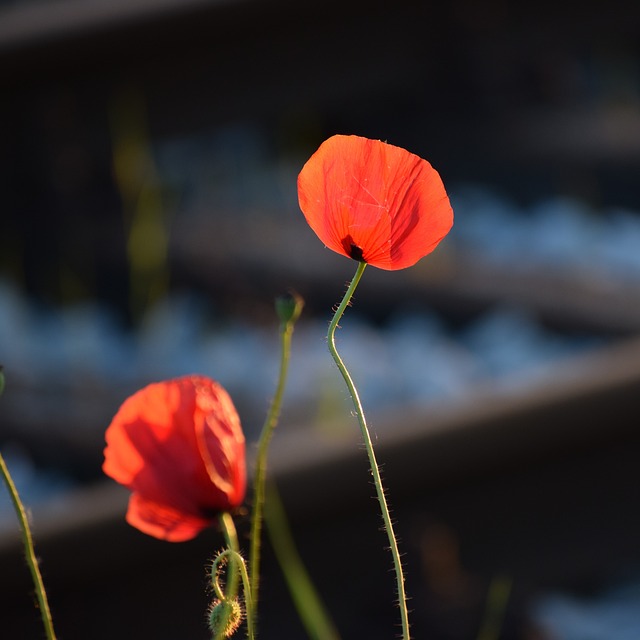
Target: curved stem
column 402, row 599
column 232, row 556
column 248, row 600
column 231, row 538
column 29, row 549
column 259, row 483
column 237, row 568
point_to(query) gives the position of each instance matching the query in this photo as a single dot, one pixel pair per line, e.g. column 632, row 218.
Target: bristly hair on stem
column 374, row 467
column 27, row 540
column 288, row 308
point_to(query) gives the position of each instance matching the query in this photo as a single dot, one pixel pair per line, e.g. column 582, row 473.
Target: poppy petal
column 162, row 521
column 179, row 444
column 221, row 442
column 372, row 201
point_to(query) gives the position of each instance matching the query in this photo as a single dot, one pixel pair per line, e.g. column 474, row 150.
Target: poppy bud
column 225, row 617
column 1, row 380
column 289, row 307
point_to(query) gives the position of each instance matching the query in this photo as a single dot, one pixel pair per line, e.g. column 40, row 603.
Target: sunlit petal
column 374, row 202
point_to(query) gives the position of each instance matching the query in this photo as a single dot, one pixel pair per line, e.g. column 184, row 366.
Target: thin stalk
column 375, row 471
column 289, row 312
column 311, row 610
column 29, row 550
column 231, row 538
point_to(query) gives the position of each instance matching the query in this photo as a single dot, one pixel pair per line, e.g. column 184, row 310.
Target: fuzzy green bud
column 289, row 307
column 225, row 617
column 1, row 380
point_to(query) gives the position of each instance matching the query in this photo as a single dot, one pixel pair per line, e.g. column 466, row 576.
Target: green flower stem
column 233, row 557
column 30, row 553
column 231, row 538
column 402, row 599
column 237, row 569
column 259, row 482
column 311, row 610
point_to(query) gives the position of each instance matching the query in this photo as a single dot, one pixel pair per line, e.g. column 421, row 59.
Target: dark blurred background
column 122, row 115
column 148, row 156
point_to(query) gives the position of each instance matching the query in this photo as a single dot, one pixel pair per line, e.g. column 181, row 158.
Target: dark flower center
column 352, row 249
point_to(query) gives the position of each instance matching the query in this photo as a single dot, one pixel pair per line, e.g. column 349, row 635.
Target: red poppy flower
column 178, row 445
column 374, row 202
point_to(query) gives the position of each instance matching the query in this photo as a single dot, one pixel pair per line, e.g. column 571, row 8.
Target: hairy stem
column 375, row 471
column 293, row 307
column 237, row 570
column 29, row 550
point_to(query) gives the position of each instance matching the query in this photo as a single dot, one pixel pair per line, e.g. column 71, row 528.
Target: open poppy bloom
column 374, row 202
column 178, row 445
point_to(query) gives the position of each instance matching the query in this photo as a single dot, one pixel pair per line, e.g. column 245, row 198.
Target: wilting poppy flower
column 374, row 202
column 178, row 445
